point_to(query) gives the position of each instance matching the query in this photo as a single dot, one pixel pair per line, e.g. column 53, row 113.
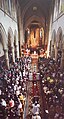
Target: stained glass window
column 1, row 3
column 9, row 6
column 6, row 5
column 62, row 5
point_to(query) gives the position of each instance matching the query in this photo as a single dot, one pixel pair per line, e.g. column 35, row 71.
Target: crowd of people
column 52, row 83
column 13, row 89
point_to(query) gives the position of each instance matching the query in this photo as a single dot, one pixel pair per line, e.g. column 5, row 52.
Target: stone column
column 17, row 51
column 28, row 37
column 6, row 57
column 13, row 54
column 22, row 32
column 56, row 53
column 52, row 51
column 62, row 59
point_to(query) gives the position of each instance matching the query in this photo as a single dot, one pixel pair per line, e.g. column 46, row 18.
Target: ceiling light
column 34, row 8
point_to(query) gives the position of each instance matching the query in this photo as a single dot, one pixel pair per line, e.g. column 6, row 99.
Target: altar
column 34, row 55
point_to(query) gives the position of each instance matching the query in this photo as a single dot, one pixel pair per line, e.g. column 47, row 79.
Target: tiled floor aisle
column 30, row 90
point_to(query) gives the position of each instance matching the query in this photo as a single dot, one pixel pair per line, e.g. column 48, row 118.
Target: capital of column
column 12, row 47
column 6, row 56
column 5, row 50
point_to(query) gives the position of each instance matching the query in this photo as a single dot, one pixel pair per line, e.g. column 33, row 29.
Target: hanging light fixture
column 34, row 8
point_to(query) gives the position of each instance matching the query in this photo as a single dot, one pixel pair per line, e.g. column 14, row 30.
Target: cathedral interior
column 31, row 59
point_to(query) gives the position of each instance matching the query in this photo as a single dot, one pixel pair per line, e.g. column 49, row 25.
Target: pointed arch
column 4, row 42
column 27, row 7
column 4, row 36
column 32, row 18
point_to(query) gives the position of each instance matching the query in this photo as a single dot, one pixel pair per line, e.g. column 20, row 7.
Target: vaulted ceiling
column 35, row 11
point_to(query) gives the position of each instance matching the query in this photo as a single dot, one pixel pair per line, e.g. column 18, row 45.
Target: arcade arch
column 3, row 38
column 11, row 45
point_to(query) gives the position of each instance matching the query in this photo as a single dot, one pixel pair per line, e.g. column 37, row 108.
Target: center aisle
column 33, row 91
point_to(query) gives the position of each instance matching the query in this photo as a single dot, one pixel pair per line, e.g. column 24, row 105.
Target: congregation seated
column 52, row 78
column 13, row 90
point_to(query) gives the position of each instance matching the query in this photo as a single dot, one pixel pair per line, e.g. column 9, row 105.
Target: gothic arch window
column 62, row 5
column 57, row 8
column 1, row 3
column 6, row 6
column 59, row 4
column 60, row 1
column 13, row 9
column 9, row 6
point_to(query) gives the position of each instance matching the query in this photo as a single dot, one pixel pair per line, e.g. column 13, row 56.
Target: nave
column 31, row 86
column 32, row 83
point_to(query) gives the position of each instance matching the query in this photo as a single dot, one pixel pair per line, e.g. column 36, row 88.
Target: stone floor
column 33, row 89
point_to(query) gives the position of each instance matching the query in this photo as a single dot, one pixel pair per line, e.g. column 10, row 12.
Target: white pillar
column 52, row 51
column 56, row 53
column 6, row 57
column 17, row 51
column 13, row 54
column 62, row 59
column 22, row 33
